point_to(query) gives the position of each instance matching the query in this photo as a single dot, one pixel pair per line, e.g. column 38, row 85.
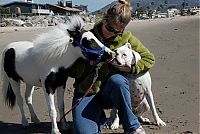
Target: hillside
column 154, row 4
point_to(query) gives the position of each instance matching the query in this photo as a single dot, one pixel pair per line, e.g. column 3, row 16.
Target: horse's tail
column 9, row 96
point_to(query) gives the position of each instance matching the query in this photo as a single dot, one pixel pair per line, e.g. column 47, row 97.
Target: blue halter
column 86, row 51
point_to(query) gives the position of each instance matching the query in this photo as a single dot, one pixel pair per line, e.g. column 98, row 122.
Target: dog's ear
column 129, row 45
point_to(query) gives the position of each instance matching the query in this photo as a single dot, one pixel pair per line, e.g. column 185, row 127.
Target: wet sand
column 175, row 77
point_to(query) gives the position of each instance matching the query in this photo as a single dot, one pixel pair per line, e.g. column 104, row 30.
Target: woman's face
column 112, row 29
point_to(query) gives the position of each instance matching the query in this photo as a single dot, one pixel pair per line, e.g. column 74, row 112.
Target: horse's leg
column 51, row 107
column 61, row 106
column 28, row 98
column 52, row 112
column 16, row 89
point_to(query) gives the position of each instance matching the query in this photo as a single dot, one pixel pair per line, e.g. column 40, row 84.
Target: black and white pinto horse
column 44, row 62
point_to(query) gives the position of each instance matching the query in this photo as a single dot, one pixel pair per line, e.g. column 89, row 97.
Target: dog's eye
column 124, row 55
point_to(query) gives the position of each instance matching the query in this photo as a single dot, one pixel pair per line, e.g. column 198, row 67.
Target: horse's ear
column 75, row 34
column 72, row 33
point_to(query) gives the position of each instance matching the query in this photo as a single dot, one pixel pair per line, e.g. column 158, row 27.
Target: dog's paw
column 115, row 124
column 159, row 122
column 109, row 122
column 143, row 120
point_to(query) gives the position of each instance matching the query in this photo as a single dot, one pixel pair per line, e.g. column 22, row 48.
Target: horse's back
column 19, row 46
column 22, row 58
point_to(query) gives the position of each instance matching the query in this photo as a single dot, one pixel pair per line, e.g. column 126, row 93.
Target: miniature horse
column 44, row 62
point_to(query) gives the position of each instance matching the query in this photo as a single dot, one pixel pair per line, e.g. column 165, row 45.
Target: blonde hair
column 120, row 12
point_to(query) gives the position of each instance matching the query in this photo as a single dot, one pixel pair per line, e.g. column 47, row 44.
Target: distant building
column 28, row 7
column 83, row 8
column 68, row 3
column 190, row 11
column 64, row 7
column 195, row 10
column 172, row 12
column 63, row 10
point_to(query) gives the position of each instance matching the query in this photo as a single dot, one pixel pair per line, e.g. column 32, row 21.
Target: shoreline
column 147, row 21
column 165, row 20
column 15, row 29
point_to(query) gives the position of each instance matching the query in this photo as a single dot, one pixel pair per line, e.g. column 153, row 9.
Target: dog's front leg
column 150, row 100
column 113, row 120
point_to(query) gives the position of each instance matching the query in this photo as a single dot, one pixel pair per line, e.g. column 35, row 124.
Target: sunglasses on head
column 111, row 29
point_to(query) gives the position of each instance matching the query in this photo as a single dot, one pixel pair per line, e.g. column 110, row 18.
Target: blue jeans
column 87, row 116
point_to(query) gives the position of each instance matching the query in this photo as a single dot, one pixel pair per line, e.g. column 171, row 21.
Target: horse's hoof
column 55, row 131
column 25, row 127
column 25, row 123
column 66, row 126
column 67, row 131
column 35, row 120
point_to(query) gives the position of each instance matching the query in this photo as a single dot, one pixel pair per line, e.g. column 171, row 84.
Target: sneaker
column 139, row 130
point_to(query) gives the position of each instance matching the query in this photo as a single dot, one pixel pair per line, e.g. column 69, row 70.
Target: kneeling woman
column 111, row 89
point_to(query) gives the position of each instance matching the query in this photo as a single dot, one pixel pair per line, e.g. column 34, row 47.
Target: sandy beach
column 175, row 77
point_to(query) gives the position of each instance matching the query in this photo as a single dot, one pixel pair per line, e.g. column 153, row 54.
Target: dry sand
column 175, row 77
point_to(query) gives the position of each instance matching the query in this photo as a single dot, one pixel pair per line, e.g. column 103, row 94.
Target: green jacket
column 81, row 70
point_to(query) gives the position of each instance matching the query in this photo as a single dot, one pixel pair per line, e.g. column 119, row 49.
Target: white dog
column 141, row 94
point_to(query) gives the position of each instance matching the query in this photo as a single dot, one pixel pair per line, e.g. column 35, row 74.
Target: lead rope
column 86, row 93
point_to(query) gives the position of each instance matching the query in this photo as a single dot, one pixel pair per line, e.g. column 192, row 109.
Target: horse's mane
column 54, row 43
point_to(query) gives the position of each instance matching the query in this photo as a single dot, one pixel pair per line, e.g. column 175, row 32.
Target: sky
column 93, row 5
